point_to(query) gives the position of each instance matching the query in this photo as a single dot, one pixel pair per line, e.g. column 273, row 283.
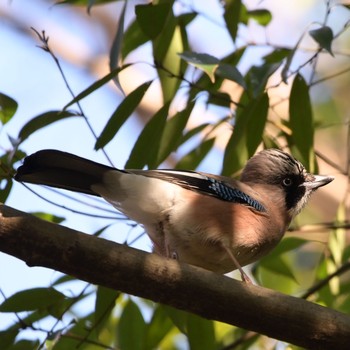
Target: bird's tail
column 63, row 170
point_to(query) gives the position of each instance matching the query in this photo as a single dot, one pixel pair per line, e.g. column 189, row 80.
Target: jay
column 211, row 221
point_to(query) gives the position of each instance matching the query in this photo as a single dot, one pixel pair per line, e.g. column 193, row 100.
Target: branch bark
column 213, row 296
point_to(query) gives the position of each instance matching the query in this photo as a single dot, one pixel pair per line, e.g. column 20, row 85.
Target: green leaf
column 277, row 265
column 324, row 37
column 5, row 189
column 96, row 85
column 121, row 114
column 48, row 217
column 173, row 133
column 200, row 333
column 232, row 16
column 8, row 107
column 286, row 245
column 207, row 63
column 104, row 305
column 230, row 72
column 43, row 120
column 178, row 317
column 25, row 344
column 131, row 328
column 192, row 159
column 301, row 122
column 159, row 326
column 247, row 134
column 7, row 338
column 262, row 16
column 277, row 56
column 32, row 299
column 133, row 38
column 145, row 150
column 152, row 18
column 115, row 51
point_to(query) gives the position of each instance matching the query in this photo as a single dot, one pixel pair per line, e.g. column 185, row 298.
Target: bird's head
column 277, row 168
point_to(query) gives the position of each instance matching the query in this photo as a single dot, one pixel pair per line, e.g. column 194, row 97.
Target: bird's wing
column 219, row 187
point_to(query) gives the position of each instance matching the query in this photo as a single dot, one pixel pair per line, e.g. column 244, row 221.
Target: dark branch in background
column 185, row 287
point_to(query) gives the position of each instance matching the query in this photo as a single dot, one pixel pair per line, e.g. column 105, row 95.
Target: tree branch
column 213, row 296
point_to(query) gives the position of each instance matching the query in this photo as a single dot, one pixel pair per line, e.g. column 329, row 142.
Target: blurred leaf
column 104, row 305
column 192, row 159
column 221, row 99
column 96, row 85
column 172, row 133
column 121, row 114
column 7, row 338
column 230, row 72
column 301, row 122
column 32, row 299
column 277, row 56
column 63, row 279
column 159, row 326
column 152, row 18
column 41, row 121
column 25, row 344
column 257, row 77
column 287, row 244
column 88, row 3
column 194, row 131
column 207, row 63
column 145, row 150
column 5, row 189
column 48, row 217
column 247, row 133
column 262, row 16
column 116, row 48
column 131, row 328
column 285, row 70
column 324, row 37
column 8, row 107
column 178, row 317
column 277, row 265
column 200, row 333
column 133, row 38
column 232, row 15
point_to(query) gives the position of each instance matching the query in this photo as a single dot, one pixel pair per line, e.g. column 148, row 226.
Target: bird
column 211, row 221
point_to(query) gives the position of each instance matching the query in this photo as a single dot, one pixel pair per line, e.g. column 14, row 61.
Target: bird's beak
column 313, row 182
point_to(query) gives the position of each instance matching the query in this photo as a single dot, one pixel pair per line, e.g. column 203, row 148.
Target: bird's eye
column 287, row 181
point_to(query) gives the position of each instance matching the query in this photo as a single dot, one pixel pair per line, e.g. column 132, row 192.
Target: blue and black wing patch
column 207, row 185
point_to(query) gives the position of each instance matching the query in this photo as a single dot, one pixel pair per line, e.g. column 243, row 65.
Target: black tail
column 63, row 170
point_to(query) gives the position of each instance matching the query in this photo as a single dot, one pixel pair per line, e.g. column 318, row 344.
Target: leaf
column 200, row 333
column 277, row 265
column 173, row 133
column 247, row 134
column 230, row 72
column 96, row 85
column 277, row 56
column 131, row 327
column 262, row 16
column 41, row 121
column 7, row 338
column 115, row 51
column 5, row 189
column 301, row 122
column 232, row 16
column 152, row 18
column 104, row 305
column 145, row 150
column 324, row 37
column 32, row 299
column 48, row 217
column 133, row 38
column 159, row 326
column 25, row 344
column 192, row 159
column 8, row 107
column 121, row 114
column 207, row 63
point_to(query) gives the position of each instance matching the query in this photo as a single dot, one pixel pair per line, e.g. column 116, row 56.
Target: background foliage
column 206, row 105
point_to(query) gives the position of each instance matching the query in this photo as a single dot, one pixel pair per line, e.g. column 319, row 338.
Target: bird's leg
column 244, row 276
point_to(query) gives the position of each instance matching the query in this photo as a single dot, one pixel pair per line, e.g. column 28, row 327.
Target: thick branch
column 207, row 294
